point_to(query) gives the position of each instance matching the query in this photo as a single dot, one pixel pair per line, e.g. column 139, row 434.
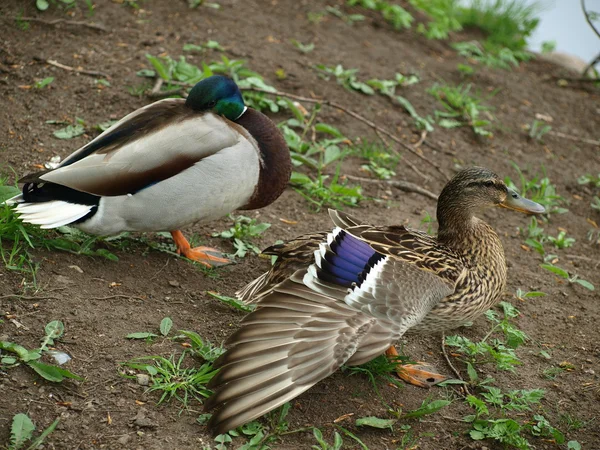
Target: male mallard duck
column 166, row 165
column 362, row 289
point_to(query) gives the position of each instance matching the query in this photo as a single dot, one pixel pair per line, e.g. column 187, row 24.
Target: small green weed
column 12, row 355
column 501, row 351
column 243, row 231
column 462, row 108
column 381, row 161
column 395, row 15
column 538, row 129
column 562, row 273
column 345, row 77
column 208, row 45
column 540, row 190
column 502, row 58
column 303, row 48
column 43, row 83
column 22, row 430
column 197, row 3
column 444, row 16
column 350, row 19
column 176, row 377
column 588, row 179
column 562, row 241
column 491, row 420
column 321, row 193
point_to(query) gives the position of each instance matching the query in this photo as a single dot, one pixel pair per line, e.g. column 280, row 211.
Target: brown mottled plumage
column 344, row 297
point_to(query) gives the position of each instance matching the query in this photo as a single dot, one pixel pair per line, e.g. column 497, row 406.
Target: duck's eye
column 212, row 104
column 514, row 195
column 489, row 183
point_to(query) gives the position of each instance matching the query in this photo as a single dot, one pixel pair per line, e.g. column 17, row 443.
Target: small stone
column 63, row 280
column 174, row 283
column 76, row 268
column 123, row 440
column 143, row 379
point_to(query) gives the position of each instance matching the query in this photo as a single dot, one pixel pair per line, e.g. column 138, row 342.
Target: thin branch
column 456, row 372
column 590, row 66
column 573, row 138
column 68, row 22
column 588, row 18
column 92, row 73
column 360, row 118
column 405, row 186
column 24, row 297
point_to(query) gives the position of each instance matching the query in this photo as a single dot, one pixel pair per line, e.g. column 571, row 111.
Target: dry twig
column 92, row 73
column 405, row 186
column 454, row 369
column 573, row 138
column 93, row 26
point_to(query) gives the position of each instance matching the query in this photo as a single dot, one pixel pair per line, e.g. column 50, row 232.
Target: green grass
column 507, row 23
column 178, row 377
column 539, row 189
column 381, row 161
column 325, row 190
column 462, row 107
column 394, row 14
column 243, row 231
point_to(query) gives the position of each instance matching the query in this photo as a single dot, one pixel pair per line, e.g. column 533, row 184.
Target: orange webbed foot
column 420, row 374
column 208, row 256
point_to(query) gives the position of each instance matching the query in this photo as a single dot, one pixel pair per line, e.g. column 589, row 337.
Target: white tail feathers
column 52, row 214
column 13, row 200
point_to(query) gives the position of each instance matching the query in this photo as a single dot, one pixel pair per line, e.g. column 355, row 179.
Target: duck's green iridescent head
column 219, row 94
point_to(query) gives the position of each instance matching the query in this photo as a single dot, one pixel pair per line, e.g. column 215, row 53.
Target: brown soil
column 79, row 290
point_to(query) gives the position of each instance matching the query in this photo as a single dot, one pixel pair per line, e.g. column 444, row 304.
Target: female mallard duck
column 166, row 165
column 361, row 290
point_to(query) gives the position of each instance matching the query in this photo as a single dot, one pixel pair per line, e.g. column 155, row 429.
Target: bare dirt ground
column 102, row 301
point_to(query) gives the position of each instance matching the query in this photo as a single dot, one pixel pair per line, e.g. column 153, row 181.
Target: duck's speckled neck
column 276, row 167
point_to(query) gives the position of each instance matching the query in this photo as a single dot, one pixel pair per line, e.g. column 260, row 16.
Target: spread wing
column 351, row 303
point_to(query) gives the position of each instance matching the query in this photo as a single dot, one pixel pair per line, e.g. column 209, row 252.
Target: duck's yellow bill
column 518, row 203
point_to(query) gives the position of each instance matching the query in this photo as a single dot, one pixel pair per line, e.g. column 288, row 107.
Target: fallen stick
column 405, row 186
column 573, row 138
column 92, row 73
column 68, row 22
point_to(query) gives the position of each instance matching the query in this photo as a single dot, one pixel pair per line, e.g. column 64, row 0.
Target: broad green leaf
column 573, row 445
column 329, row 129
column 21, row 431
column 585, row 284
column 42, row 5
column 476, row 435
column 232, row 302
column 70, row 131
column 449, row 123
column 54, row 329
column 148, row 73
column 8, row 360
column 141, row 335
column 429, row 408
column 557, row 270
column 106, row 254
column 165, row 326
column 161, row 70
column 7, row 192
column 473, row 376
column 21, row 351
column 52, row 373
column 375, row 422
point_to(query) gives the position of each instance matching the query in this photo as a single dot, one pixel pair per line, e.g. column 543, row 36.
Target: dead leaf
column 287, row 221
column 343, row 417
